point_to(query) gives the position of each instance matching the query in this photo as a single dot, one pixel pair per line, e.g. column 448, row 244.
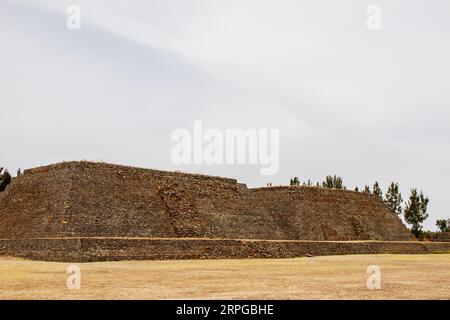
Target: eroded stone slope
column 84, row 199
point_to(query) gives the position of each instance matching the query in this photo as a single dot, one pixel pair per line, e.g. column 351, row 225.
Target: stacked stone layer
column 110, row 249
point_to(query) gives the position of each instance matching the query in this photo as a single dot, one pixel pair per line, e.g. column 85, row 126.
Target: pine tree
column 328, row 183
column 5, row 179
column 377, row 190
column 416, row 211
column 367, row 190
column 339, row 183
column 295, row 182
column 443, row 225
column 393, row 198
column 333, row 182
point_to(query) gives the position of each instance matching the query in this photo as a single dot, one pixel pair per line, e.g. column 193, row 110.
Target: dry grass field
column 331, row 277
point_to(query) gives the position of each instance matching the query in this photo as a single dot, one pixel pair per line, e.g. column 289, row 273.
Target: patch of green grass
column 441, row 252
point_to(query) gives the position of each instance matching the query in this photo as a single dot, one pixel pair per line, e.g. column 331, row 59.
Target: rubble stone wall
column 108, row 249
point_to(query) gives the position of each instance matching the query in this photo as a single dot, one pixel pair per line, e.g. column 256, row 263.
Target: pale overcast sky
column 364, row 104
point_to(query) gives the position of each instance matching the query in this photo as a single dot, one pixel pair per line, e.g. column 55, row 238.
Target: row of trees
column 332, row 182
column 414, row 210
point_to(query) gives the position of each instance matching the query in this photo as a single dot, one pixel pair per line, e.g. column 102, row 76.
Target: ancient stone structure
column 95, row 211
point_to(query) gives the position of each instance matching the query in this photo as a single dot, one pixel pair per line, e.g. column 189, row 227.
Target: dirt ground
column 331, row 277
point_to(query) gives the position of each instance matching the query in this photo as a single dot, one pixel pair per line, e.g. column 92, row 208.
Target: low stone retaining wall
column 106, row 249
column 442, row 237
